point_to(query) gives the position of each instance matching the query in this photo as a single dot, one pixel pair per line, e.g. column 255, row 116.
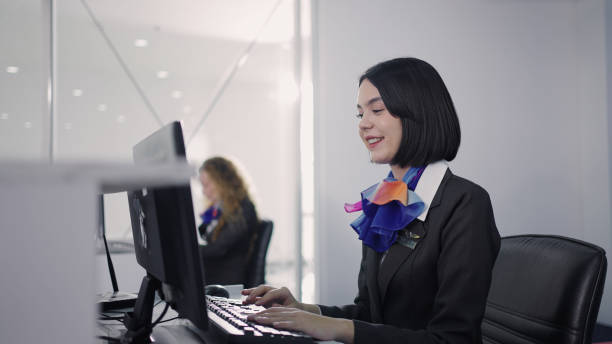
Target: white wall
column 528, row 81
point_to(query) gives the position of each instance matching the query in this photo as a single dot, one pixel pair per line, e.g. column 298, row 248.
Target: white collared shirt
column 429, row 183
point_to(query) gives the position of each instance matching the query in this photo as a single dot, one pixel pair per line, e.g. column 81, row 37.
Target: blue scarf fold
column 212, row 213
column 383, row 215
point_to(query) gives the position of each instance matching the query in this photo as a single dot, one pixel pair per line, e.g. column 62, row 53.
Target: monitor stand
column 138, row 322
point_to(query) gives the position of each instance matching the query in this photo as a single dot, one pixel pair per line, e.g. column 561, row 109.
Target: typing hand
column 268, row 296
column 317, row 326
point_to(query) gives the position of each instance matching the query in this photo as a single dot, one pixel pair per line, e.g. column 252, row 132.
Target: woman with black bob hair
column 429, row 237
column 413, row 91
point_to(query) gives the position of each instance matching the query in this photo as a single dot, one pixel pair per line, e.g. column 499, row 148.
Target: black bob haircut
column 414, row 92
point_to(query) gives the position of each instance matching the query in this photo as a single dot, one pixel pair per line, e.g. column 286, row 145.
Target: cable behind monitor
column 115, row 299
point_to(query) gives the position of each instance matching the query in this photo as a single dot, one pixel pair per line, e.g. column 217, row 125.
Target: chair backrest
column 256, row 271
column 545, row 289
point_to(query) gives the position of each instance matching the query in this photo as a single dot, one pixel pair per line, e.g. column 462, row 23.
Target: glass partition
column 23, row 80
column 226, row 69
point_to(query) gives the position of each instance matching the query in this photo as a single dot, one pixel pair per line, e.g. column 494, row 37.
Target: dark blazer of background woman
column 225, row 259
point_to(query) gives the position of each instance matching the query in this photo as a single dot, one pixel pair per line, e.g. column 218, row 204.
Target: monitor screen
column 164, row 230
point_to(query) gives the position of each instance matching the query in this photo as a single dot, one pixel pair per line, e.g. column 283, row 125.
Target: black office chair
column 256, row 271
column 545, row 289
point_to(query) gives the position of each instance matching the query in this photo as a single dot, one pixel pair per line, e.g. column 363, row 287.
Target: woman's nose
column 365, row 122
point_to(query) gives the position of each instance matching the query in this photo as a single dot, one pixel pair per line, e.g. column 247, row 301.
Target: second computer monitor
column 164, row 229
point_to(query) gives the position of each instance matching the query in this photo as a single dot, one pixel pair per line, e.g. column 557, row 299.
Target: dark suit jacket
column 436, row 292
column 225, row 259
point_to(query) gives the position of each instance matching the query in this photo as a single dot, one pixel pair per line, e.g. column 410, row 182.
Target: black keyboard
column 228, row 317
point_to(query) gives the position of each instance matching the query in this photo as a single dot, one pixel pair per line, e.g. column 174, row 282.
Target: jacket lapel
column 372, row 261
column 398, row 254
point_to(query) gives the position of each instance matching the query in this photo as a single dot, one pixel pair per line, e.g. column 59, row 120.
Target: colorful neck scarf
column 388, row 207
column 212, row 213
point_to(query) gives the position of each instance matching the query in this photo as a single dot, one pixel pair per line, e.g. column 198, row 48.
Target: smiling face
column 380, row 131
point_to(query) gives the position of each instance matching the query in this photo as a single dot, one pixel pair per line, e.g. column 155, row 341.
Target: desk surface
column 171, row 330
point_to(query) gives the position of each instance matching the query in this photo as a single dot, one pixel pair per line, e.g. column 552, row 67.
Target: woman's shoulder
column 247, row 203
column 248, row 209
column 460, row 188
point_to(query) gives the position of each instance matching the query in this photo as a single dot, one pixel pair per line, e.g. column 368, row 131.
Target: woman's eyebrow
column 371, row 101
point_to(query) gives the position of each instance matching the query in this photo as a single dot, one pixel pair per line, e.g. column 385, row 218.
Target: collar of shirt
column 429, row 183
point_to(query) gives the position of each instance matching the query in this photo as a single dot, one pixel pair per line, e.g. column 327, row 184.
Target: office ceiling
column 132, row 65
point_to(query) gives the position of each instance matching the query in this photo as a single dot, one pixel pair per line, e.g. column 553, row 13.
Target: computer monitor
column 165, row 239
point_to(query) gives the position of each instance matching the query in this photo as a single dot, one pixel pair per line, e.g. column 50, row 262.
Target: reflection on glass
column 224, row 68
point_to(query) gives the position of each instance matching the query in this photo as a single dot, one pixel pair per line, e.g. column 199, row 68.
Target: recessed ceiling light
column 68, row 126
column 187, row 109
column 141, row 43
column 77, row 92
column 4, row 115
column 27, row 125
column 162, row 74
column 176, row 94
column 12, row 69
column 120, row 119
column 102, row 107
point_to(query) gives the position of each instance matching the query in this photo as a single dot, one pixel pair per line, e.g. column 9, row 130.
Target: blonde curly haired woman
column 228, row 223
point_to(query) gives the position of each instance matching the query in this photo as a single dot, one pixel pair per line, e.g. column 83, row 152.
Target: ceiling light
column 27, row 125
column 141, row 43
column 187, row 109
column 120, row 119
column 77, row 92
column 176, row 94
column 102, row 107
column 4, row 115
column 68, row 126
column 162, row 74
column 12, row 69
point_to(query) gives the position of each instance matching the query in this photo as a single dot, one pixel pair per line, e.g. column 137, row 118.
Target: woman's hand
column 317, row 326
column 268, row 296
